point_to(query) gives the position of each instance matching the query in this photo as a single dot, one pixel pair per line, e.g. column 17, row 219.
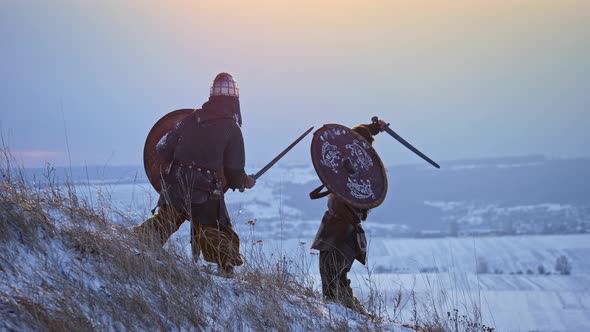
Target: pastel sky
column 85, row 80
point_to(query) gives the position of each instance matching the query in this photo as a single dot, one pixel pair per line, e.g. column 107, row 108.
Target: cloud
column 38, row 154
column 38, row 158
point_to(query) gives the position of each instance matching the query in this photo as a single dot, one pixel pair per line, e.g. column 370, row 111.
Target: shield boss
column 348, row 166
column 152, row 164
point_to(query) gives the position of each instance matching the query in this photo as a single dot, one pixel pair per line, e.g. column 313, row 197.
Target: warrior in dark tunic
column 341, row 239
column 205, row 155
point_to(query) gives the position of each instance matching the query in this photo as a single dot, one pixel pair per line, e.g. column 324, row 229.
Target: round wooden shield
column 348, row 166
column 152, row 164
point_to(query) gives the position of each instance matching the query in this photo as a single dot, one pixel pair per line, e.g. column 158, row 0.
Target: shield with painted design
column 152, row 164
column 348, row 166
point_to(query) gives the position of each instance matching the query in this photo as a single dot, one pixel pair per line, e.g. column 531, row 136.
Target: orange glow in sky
column 471, row 68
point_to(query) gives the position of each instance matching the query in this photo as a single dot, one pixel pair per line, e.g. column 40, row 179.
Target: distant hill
column 530, row 194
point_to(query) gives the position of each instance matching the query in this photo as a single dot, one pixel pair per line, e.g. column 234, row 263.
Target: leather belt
column 197, row 168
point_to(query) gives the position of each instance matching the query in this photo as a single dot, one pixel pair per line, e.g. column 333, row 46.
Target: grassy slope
column 64, row 265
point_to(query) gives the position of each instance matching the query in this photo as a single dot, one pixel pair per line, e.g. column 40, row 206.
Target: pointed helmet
column 224, row 85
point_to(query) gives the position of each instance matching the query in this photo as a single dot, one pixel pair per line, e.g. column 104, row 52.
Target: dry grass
column 65, row 266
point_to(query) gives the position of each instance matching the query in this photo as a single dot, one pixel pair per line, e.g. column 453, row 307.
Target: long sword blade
column 409, row 146
column 277, row 158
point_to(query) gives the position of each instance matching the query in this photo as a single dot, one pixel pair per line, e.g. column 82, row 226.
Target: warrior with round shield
column 191, row 157
column 355, row 179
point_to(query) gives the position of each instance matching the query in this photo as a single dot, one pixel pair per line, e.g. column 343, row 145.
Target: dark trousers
column 217, row 240
column 334, row 268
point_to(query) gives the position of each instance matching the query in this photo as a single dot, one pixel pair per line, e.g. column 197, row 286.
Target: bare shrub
column 563, row 266
column 481, row 266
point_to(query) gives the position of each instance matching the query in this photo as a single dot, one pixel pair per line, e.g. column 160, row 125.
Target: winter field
column 511, row 295
column 441, row 275
column 517, row 289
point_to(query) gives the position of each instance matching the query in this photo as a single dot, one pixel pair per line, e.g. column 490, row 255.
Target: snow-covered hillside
column 67, row 265
column 439, row 273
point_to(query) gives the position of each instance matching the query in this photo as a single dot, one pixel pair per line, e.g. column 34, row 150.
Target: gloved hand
column 377, row 127
column 250, row 182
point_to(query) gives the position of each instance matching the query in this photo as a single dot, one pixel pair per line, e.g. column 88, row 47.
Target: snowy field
column 441, row 273
column 512, row 296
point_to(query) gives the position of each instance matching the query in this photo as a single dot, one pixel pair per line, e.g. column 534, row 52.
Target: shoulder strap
column 318, row 193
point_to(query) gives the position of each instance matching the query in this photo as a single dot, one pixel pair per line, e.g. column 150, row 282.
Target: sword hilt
column 375, row 119
column 243, row 187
